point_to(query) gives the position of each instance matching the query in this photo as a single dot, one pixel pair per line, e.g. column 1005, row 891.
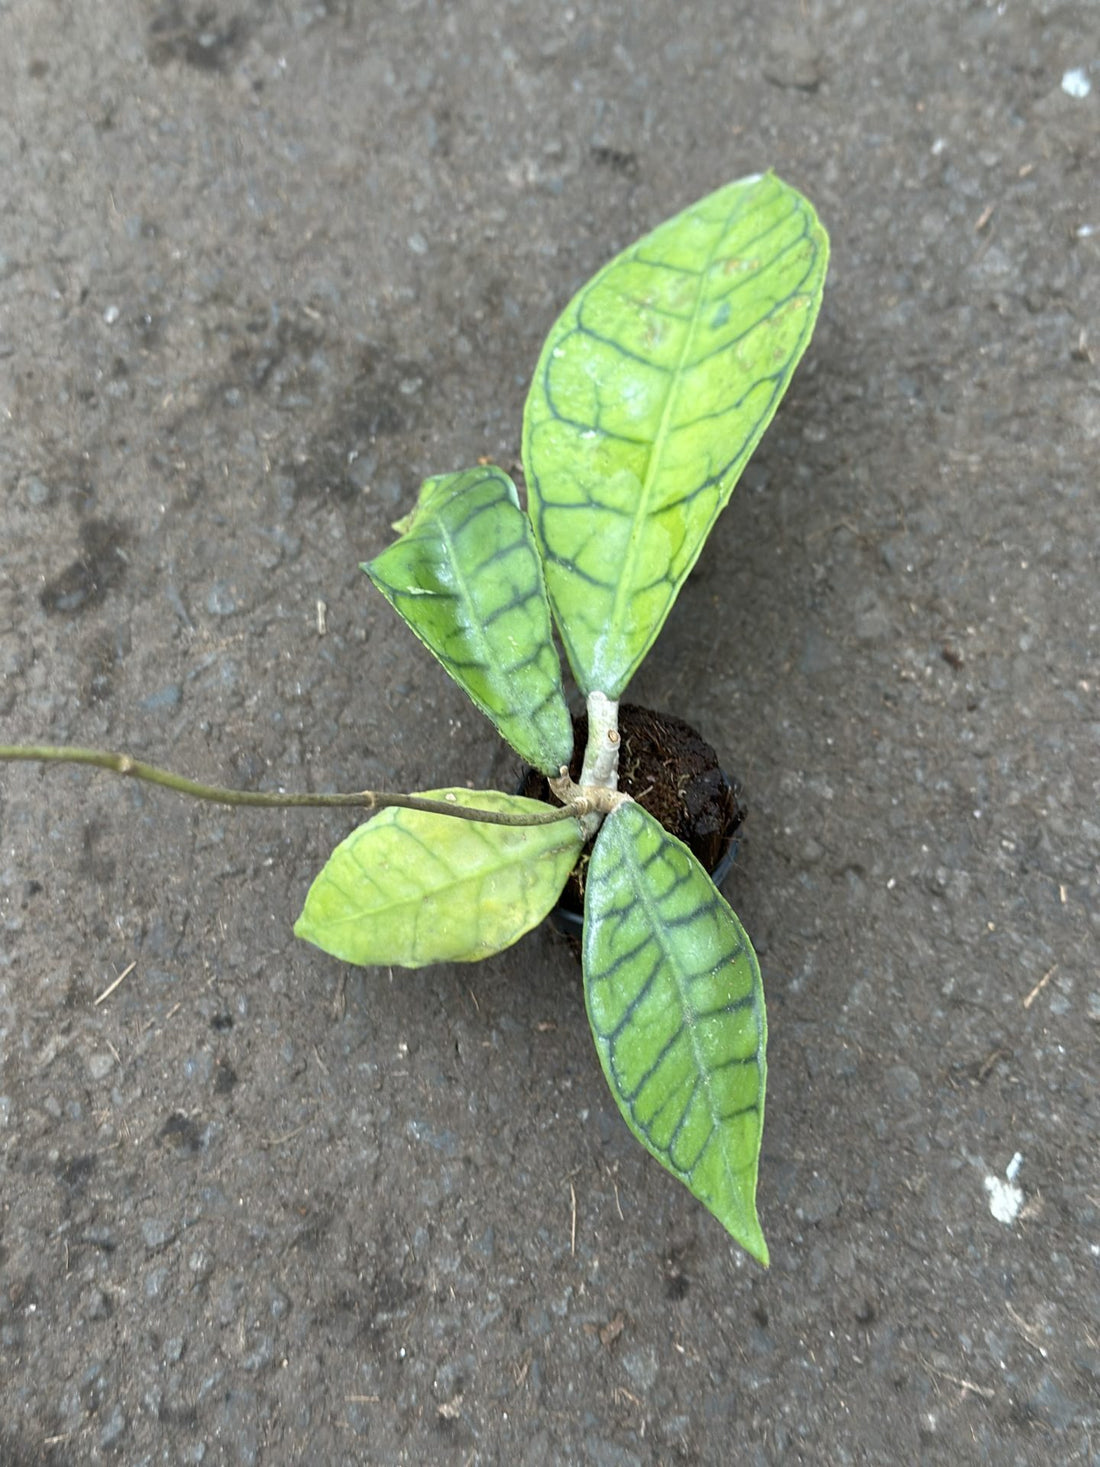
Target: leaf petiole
column 369, row 800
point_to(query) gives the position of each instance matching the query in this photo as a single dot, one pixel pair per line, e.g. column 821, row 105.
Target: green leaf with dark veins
column 652, row 390
column 677, row 1011
column 466, row 577
column 411, row 888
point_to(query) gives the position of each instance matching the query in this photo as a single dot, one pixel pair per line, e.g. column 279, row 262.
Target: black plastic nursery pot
column 672, row 772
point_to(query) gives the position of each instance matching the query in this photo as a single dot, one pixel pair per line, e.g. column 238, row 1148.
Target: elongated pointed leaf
column 411, row 888
column 466, row 577
column 651, row 392
column 677, row 1010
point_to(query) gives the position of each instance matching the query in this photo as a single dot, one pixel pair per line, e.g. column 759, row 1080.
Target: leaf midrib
column 474, row 630
column 660, row 933
column 625, row 583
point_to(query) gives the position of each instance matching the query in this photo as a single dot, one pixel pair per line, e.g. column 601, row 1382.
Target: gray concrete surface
column 263, row 265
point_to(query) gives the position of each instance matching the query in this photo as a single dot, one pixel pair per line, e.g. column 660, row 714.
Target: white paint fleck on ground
column 1005, row 1197
column 1076, row 83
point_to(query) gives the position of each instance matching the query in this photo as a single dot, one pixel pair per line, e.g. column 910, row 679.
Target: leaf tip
column 754, row 1243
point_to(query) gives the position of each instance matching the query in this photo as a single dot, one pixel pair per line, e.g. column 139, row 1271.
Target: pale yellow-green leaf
column 410, row 888
column 652, row 390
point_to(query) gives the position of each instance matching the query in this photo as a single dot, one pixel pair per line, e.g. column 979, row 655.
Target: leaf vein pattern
column 680, row 1059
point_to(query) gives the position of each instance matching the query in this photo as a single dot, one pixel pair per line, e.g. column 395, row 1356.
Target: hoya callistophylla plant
column 651, row 392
